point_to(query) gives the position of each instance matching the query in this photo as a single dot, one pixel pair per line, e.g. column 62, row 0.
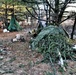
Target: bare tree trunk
column 73, row 29
column 13, row 9
column 56, row 11
column 49, row 15
column 6, row 22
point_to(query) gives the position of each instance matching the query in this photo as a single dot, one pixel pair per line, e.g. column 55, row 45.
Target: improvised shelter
column 14, row 25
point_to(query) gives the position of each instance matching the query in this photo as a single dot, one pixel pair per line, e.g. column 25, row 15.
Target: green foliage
column 14, row 25
column 51, row 30
column 52, row 40
column 19, row 8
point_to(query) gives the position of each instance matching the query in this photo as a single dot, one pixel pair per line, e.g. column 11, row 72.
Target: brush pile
column 52, row 43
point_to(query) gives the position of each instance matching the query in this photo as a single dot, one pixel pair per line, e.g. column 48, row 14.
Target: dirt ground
column 18, row 59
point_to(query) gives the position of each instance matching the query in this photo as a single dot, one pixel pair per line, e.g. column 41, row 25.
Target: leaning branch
column 33, row 15
column 62, row 10
column 66, row 2
column 34, row 10
column 70, row 16
column 50, row 5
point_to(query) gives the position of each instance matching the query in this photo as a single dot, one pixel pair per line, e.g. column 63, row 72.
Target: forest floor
column 18, row 59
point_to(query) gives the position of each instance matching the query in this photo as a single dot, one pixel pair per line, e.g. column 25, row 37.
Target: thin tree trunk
column 6, row 22
column 49, row 15
column 13, row 9
column 73, row 29
column 56, row 11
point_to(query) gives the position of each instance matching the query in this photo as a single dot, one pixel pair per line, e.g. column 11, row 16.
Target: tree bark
column 49, row 15
column 6, row 22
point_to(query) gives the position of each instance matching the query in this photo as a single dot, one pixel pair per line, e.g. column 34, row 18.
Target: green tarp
column 14, row 25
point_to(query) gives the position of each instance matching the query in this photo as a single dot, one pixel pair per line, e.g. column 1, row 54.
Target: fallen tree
column 52, row 43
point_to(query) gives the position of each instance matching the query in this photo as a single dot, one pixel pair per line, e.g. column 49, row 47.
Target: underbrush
column 52, row 43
